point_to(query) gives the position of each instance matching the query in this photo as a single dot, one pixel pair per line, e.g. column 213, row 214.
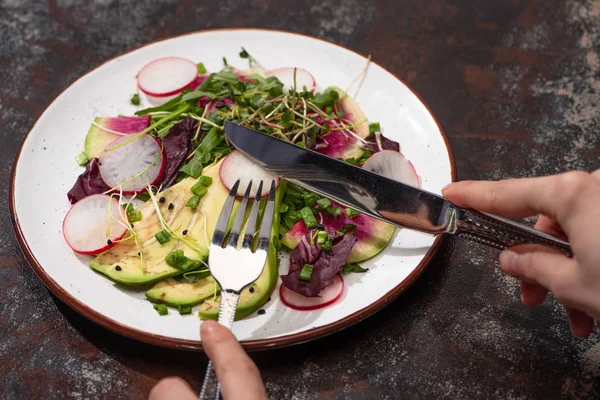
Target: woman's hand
column 569, row 206
column 238, row 375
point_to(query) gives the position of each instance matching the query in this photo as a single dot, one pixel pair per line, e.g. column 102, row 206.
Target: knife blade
column 380, row 197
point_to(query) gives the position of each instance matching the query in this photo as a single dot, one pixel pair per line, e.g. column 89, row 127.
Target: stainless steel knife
column 380, row 197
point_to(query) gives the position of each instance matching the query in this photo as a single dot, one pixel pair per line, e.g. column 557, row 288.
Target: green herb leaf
column 353, row 268
column 283, row 208
column 225, row 62
column 177, row 259
column 82, row 159
column 163, row 236
column 374, row 127
column 244, row 53
column 161, row 309
column 349, row 229
column 201, row 68
column 135, row 99
column 197, row 275
column 306, row 272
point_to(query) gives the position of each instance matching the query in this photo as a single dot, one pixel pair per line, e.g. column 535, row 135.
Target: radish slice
column 393, row 165
column 86, row 224
column 167, row 76
column 236, row 166
column 326, row 297
column 286, row 76
column 133, row 166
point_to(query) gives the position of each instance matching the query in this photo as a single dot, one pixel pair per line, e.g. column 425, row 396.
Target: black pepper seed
column 162, row 200
column 109, row 242
column 261, row 312
column 251, row 290
column 320, row 226
column 171, row 206
column 118, row 267
column 139, row 253
column 184, row 232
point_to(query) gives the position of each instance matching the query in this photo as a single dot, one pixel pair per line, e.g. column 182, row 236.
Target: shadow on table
column 157, row 362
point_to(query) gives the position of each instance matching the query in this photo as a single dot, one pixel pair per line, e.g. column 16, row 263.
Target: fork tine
column 267, row 221
column 221, row 226
column 251, row 224
column 234, row 235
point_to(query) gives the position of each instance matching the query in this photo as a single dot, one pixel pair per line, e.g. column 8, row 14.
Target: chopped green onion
column 193, row 202
column 205, row 180
column 183, row 310
column 129, row 208
column 352, row 213
column 199, row 189
column 308, row 217
column 201, row 68
column 163, row 236
column 322, row 237
column 135, row 99
column 353, row 268
column 334, row 211
column 134, row 216
column 161, row 309
column 283, row 208
column 327, row 244
column 177, row 259
column 82, row 159
column 349, row 229
column 310, row 199
column 306, row 272
column 374, row 127
column 323, row 203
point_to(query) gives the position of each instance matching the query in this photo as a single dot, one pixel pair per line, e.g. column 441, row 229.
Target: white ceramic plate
column 45, row 170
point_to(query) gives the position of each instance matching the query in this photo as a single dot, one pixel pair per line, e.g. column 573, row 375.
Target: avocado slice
column 256, row 295
column 180, row 293
column 143, row 263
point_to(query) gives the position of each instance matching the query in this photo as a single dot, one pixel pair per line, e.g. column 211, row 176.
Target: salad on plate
column 154, row 183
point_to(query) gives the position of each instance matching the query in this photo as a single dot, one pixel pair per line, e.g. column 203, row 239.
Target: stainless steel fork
column 235, row 266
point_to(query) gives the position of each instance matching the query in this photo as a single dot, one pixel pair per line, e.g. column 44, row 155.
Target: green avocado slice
column 143, row 263
column 176, row 293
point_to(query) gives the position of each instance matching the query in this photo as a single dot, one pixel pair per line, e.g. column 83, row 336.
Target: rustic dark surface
column 515, row 85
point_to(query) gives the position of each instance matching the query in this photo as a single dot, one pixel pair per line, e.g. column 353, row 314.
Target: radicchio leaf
column 386, row 144
column 88, row 183
column 325, row 265
column 176, row 146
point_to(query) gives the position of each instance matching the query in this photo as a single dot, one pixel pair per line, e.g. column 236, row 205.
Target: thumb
column 543, row 266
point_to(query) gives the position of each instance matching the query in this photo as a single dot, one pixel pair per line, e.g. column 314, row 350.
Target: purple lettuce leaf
column 325, row 265
column 177, row 145
column 88, row 183
column 386, row 144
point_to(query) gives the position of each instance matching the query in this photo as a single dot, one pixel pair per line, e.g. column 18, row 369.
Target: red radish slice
column 286, row 76
column 133, row 166
column 236, row 166
column 167, row 76
column 393, row 165
column 326, row 297
column 86, row 224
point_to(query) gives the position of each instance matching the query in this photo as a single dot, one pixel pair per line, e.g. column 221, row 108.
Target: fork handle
column 210, row 387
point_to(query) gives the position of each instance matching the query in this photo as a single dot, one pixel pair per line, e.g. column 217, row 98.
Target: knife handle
column 501, row 233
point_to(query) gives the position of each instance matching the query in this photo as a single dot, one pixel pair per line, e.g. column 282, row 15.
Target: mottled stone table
column 515, row 85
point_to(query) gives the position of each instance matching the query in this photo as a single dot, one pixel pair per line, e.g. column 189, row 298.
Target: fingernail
column 508, row 261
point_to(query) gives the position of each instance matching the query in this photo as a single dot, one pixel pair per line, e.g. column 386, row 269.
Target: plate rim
column 258, row 344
